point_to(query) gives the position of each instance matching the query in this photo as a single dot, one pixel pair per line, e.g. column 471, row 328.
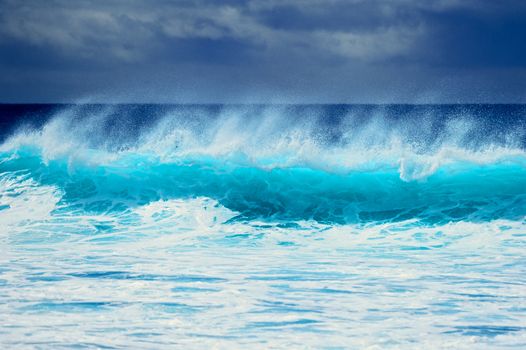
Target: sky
column 268, row 51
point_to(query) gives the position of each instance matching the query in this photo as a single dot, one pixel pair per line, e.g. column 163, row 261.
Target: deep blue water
column 322, row 226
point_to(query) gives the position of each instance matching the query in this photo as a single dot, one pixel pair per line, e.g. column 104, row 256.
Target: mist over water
column 284, row 225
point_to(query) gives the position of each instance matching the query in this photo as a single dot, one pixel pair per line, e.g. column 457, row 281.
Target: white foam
column 271, row 140
column 25, row 201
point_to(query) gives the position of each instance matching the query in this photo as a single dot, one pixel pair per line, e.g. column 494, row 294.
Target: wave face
column 293, row 213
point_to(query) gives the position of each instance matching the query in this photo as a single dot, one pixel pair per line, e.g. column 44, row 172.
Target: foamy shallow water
column 177, row 275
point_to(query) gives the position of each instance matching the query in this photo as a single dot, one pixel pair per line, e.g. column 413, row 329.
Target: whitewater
column 263, row 226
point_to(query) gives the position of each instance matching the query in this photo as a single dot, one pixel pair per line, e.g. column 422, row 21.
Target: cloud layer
column 263, row 51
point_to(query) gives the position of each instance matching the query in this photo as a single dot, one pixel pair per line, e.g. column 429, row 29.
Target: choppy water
column 264, row 226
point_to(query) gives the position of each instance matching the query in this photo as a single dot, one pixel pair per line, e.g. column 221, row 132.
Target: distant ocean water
column 267, row 226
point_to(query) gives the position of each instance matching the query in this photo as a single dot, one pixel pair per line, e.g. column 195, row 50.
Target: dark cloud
column 212, row 51
column 264, row 51
column 477, row 39
column 356, row 16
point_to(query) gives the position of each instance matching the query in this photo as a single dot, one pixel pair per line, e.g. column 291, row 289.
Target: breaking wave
column 334, row 164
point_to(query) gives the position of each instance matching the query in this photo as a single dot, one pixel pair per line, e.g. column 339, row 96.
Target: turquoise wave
column 334, row 164
column 453, row 192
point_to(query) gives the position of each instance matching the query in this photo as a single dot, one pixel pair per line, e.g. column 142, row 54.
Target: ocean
column 263, row 226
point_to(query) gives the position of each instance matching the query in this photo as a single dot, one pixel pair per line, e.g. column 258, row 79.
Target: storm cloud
column 263, row 51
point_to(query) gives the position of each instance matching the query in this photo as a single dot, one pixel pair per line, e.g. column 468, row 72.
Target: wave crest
column 417, row 142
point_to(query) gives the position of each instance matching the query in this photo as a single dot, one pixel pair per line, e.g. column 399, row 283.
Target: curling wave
column 336, row 164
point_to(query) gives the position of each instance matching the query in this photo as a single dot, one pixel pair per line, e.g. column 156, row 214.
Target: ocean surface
column 258, row 226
